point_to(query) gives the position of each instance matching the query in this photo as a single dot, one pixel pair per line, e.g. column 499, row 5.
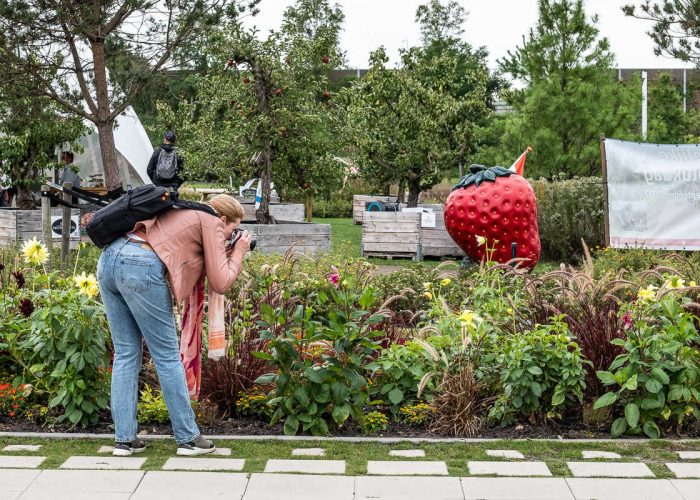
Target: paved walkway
column 139, row 485
column 308, row 474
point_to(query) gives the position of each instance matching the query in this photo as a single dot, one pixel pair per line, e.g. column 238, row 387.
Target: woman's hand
column 243, row 243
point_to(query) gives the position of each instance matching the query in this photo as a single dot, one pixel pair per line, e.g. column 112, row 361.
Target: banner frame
column 606, row 207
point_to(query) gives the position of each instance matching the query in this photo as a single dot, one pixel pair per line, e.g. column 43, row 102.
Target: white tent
column 134, row 149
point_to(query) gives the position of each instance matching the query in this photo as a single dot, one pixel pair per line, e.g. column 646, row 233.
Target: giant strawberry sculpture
column 492, row 213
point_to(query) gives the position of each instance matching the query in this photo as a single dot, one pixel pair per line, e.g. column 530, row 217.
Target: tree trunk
column 25, row 200
column 309, row 205
column 461, row 171
column 105, row 125
column 386, row 189
column 413, row 192
column 402, row 191
column 262, row 214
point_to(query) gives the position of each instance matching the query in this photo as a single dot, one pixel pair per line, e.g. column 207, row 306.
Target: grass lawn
column 356, row 455
column 345, row 230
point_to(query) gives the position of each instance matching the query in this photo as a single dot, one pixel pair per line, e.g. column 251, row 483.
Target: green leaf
column 619, row 426
column 605, row 400
column 340, row 413
column 302, row 395
column 396, row 396
column 661, row 375
column 631, row 383
column 266, row 379
column 652, row 385
column 535, row 370
column 632, row 415
column 651, row 430
column 291, row 425
column 313, row 375
column 605, row 377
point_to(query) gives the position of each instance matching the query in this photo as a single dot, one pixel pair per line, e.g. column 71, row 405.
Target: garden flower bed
column 325, row 345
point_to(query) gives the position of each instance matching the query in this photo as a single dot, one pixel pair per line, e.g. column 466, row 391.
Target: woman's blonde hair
column 227, row 206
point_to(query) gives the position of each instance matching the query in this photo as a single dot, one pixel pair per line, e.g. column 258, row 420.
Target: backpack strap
column 193, row 205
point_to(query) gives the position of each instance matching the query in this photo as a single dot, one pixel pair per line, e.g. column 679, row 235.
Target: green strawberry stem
column 479, row 174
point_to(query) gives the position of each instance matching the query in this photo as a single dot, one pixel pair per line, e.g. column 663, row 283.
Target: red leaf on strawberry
column 489, row 211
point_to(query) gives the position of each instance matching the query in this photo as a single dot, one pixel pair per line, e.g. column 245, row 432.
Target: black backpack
column 166, row 166
column 136, row 205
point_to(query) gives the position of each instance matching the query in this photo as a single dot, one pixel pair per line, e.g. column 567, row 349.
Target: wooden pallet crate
column 391, row 235
column 17, row 226
column 310, row 238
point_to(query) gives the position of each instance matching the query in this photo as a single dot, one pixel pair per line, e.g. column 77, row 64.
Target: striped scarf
column 191, row 339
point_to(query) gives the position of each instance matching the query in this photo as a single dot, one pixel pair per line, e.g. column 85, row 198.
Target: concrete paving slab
column 511, row 488
column 48, row 495
column 16, row 479
column 10, row 495
column 407, row 468
column 685, row 470
column 477, row 468
column 591, row 454
column 299, row 487
column 306, row 466
column 22, row 447
column 407, row 453
column 514, row 454
column 204, row 464
column 688, row 488
column 106, row 449
column 309, row 452
column 621, row 489
column 185, row 486
column 689, row 455
column 20, row 462
column 607, row 469
column 220, row 452
column 103, row 463
column 408, row 488
column 90, row 481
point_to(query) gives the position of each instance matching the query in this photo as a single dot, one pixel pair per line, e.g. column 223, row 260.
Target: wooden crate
column 391, row 234
column 17, row 226
column 358, row 204
column 437, row 242
column 287, row 212
column 278, row 238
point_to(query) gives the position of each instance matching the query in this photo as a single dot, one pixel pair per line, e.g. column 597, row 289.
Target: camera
column 235, row 236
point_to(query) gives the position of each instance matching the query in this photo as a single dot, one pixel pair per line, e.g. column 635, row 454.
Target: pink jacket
column 191, row 242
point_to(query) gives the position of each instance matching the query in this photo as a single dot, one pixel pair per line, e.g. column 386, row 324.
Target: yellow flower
column 466, row 318
column 446, row 282
column 509, row 310
column 87, row 284
column 676, row 282
column 428, row 295
column 647, row 294
column 427, row 286
column 34, row 252
column 481, row 240
column 692, row 284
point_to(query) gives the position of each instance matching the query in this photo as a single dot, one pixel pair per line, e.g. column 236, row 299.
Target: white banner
column 653, row 195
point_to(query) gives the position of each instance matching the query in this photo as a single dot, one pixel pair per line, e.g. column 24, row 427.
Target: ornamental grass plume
column 35, row 252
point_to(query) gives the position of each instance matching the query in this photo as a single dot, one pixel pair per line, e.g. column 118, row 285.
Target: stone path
column 139, row 485
column 308, row 475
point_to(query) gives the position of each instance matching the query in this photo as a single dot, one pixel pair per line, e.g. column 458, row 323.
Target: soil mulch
column 252, row 427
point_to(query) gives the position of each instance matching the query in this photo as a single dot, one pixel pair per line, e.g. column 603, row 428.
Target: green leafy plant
column 320, row 362
column 152, row 408
column 656, row 380
column 374, row 422
column 397, row 372
column 541, row 371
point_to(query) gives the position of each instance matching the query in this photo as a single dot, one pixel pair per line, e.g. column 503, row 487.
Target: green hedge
column 569, row 210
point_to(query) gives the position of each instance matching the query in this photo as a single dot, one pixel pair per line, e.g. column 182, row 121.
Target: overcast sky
column 497, row 24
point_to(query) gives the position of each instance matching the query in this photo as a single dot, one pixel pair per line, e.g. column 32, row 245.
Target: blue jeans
column 138, row 304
